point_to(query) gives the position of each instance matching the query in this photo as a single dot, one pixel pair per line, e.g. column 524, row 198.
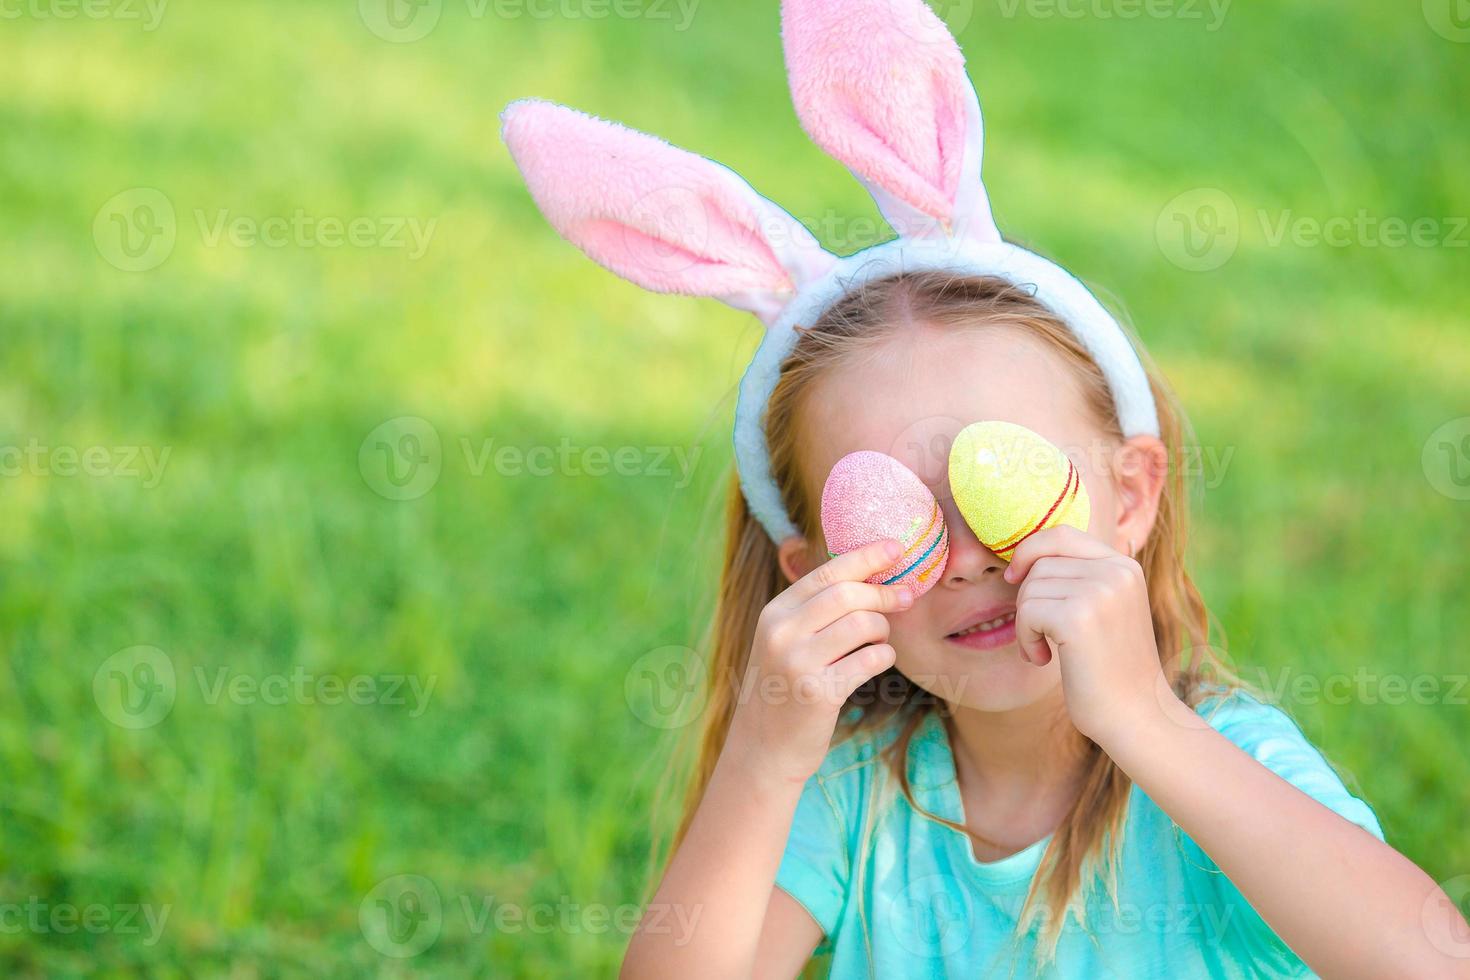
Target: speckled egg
column 1009, row 483
column 870, row 496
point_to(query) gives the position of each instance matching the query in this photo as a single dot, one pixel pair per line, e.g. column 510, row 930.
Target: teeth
column 989, row 624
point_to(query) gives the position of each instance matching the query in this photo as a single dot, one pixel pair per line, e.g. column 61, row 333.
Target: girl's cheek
column 906, row 623
column 908, row 633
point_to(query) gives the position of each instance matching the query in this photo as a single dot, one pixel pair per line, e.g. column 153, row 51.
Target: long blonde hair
column 1083, row 848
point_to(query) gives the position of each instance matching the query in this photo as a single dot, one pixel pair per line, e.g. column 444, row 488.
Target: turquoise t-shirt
column 918, row 904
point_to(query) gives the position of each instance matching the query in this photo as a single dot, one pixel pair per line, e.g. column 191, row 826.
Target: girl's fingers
column 1057, row 566
column 1063, row 541
column 854, row 630
column 863, row 664
column 1034, row 619
column 836, row 601
column 853, row 566
column 1046, row 588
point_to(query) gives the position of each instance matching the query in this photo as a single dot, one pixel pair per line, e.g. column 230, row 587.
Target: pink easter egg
column 869, row 496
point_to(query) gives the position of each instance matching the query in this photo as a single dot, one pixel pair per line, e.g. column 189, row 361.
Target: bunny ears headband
column 881, row 86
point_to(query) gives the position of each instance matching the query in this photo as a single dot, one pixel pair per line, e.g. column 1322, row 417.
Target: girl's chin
column 998, row 679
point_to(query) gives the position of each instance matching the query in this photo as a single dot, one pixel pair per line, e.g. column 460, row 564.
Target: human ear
column 797, row 557
column 1139, row 469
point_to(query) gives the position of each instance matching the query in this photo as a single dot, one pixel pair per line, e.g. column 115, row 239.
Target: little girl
column 1035, row 767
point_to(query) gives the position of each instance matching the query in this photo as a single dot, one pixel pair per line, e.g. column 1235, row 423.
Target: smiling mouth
column 988, row 626
column 988, row 634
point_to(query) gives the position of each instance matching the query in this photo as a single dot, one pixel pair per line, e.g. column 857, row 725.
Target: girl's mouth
column 987, row 634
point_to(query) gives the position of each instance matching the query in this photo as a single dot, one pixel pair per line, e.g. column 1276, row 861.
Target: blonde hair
column 1083, row 849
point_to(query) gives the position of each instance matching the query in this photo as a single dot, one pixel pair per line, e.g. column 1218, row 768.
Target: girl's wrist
column 1154, row 729
column 744, row 762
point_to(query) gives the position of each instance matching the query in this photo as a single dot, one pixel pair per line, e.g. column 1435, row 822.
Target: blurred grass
column 1322, row 547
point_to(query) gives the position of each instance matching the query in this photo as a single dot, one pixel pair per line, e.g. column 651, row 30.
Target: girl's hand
column 1088, row 605
column 815, row 644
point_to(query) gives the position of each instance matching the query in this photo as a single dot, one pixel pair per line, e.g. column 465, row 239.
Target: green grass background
column 1324, row 548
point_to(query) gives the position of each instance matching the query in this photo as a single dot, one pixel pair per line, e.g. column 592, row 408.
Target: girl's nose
column 969, row 560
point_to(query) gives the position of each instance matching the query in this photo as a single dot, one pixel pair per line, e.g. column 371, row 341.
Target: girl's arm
column 815, row 644
column 1345, row 902
column 722, row 882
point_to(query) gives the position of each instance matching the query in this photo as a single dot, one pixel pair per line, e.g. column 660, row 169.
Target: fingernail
column 1007, row 573
column 905, row 596
column 892, row 550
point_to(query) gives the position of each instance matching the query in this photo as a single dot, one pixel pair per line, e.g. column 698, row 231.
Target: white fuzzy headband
column 881, row 86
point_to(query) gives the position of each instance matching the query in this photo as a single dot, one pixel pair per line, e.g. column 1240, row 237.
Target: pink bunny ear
column 662, row 217
column 881, row 86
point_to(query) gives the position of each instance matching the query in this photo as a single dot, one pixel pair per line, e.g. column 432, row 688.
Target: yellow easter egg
column 1009, row 483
